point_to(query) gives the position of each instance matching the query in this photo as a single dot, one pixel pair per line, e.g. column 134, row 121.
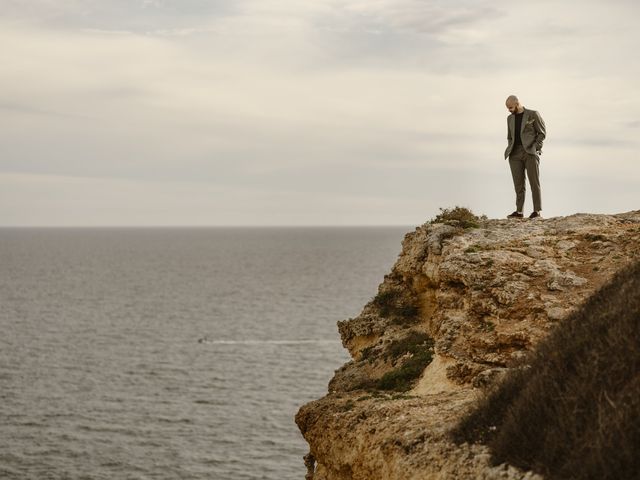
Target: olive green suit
column 526, row 158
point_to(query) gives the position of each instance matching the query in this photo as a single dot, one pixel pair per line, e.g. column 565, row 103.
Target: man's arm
column 508, row 133
column 541, row 132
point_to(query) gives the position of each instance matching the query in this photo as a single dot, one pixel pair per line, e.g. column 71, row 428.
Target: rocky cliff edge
column 459, row 308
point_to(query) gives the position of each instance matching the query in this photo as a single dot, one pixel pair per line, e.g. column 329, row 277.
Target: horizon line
column 213, row 226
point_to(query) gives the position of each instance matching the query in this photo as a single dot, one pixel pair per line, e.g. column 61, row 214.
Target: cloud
column 278, row 102
column 118, row 15
column 436, row 18
column 31, row 110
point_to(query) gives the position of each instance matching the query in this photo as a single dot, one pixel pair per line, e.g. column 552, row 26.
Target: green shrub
column 407, row 311
column 385, row 298
column 402, row 379
column 391, row 304
column 419, row 346
column 413, row 342
column 458, row 217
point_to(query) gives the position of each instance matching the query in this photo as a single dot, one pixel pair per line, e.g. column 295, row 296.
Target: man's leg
column 533, row 172
column 517, row 164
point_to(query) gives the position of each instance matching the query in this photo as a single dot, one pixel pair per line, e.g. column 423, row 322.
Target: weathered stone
column 564, row 245
column 486, row 296
column 556, row 313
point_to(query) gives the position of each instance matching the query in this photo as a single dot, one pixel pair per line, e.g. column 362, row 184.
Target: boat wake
column 266, row 342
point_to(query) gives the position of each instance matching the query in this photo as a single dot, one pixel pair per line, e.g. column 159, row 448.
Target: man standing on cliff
column 525, row 134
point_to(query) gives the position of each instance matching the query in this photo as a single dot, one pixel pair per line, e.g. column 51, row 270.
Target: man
column 525, row 134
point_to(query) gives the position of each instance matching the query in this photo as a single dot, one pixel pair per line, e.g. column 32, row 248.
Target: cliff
column 460, row 307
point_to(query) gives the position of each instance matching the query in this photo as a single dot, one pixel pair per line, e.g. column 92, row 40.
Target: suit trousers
column 522, row 162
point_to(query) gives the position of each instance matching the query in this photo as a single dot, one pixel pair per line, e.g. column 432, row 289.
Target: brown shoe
column 535, row 215
column 515, row 215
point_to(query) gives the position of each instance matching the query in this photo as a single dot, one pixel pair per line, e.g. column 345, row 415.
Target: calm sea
column 173, row 353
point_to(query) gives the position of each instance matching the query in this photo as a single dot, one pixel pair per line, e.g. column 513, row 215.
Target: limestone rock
column 486, row 296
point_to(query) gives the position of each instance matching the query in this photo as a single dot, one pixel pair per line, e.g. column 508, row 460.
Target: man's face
column 512, row 107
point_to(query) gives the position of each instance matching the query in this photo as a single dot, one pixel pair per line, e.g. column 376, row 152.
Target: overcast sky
column 319, row 112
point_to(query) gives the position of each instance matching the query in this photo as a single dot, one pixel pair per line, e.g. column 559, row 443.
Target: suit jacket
column 532, row 132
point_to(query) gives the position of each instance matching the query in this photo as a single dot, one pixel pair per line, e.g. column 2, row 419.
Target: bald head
column 513, row 104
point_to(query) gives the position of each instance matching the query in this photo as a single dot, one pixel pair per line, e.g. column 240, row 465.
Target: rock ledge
column 485, row 297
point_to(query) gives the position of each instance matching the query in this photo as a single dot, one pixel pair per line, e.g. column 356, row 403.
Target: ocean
column 173, row 353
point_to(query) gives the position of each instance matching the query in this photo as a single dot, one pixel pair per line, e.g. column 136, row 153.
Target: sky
column 322, row 112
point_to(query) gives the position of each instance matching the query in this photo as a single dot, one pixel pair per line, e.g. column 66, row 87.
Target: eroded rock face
column 485, row 296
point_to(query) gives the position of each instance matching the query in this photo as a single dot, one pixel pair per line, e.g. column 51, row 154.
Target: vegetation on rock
column 574, row 413
column 393, row 305
column 415, row 352
column 458, row 217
